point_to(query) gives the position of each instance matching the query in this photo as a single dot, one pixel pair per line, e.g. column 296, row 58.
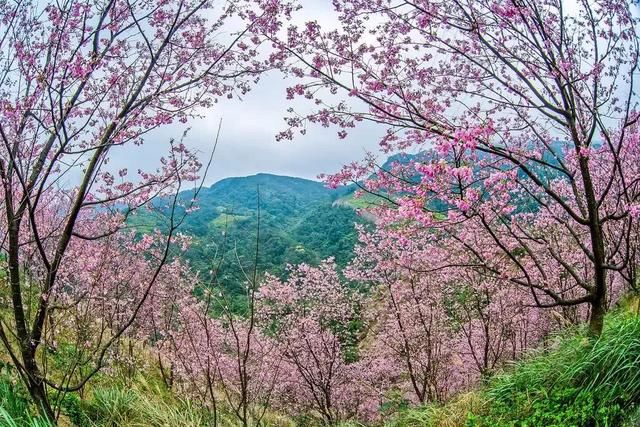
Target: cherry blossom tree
column 312, row 316
column 494, row 323
column 227, row 359
column 437, row 321
column 105, row 310
column 81, row 80
column 409, row 326
column 517, row 109
column 222, row 364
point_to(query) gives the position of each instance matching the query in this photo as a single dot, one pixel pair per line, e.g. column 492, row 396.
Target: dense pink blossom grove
column 524, row 116
column 311, row 315
column 221, row 361
column 409, row 327
column 440, row 322
column 412, row 320
column 80, row 80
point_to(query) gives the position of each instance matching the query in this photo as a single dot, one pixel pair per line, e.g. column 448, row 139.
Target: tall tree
column 78, row 81
column 528, row 103
column 311, row 315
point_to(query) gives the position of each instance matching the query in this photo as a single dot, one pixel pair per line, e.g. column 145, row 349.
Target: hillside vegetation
column 570, row 381
column 299, row 222
column 480, row 267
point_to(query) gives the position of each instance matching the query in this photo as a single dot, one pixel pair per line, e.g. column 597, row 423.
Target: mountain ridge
column 298, row 222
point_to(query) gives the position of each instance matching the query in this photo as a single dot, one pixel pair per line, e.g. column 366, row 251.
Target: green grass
column 142, row 406
column 574, row 382
column 580, row 383
column 8, row 420
column 142, row 401
column 363, row 201
column 15, row 407
column 225, row 219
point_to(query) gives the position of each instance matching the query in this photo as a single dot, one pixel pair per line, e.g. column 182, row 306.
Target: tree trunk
column 596, row 320
column 39, row 396
column 34, row 382
column 599, row 293
column 598, row 304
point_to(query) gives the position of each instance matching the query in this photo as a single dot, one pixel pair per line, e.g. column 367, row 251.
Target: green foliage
column 73, row 408
column 299, row 222
column 8, row 420
column 327, row 231
column 142, row 401
column 364, row 201
column 455, row 413
column 575, row 381
column 581, row 382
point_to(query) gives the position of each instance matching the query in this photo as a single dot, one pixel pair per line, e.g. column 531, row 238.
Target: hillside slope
column 572, row 380
column 298, row 222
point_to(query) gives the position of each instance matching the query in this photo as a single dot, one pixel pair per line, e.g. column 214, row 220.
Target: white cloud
column 247, row 143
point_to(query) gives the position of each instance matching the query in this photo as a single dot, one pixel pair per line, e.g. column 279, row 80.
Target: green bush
column 15, row 407
column 8, row 420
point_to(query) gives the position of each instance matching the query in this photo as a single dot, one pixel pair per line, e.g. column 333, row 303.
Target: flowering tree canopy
column 525, row 117
column 514, row 186
column 78, row 81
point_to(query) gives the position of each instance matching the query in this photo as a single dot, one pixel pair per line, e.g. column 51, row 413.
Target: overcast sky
column 247, row 142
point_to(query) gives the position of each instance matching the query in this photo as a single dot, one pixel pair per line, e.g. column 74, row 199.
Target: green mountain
column 298, row 221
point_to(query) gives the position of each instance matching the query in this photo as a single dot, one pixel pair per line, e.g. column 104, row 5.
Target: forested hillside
column 292, row 220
